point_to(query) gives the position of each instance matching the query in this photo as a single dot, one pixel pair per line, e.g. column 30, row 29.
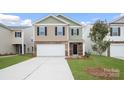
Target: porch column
column 22, row 42
column 68, row 40
column 68, row 49
column 83, row 48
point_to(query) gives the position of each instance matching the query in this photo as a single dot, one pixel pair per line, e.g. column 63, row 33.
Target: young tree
column 98, row 33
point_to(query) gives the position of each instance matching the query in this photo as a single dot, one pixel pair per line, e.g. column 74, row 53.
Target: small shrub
column 87, row 54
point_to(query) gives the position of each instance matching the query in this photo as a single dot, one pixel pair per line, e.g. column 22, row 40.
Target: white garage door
column 117, row 50
column 51, row 50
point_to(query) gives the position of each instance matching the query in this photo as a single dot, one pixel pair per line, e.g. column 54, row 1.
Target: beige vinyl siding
column 75, row 37
column 28, row 35
column 71, row 23
column 50, row 20
column 16, row 40
column 51, row 35
column 6, row 41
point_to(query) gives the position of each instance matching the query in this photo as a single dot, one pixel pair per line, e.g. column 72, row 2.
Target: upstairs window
column 59, row 31
column 115, row 31
column 42, row 31
column 18, row 34
column 74, row 31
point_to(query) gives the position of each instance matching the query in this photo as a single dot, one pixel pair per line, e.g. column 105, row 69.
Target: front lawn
column 8, row 61
column 78, row 66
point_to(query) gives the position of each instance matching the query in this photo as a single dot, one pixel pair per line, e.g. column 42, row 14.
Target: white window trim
column 18, row 34
column 41, row 32
column 115, row 32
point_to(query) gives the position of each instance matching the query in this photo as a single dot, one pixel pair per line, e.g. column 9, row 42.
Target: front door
column 75, row 49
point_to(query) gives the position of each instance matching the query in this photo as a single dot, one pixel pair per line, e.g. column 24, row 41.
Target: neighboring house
column 58, row 36
column 116, row 37
column 13, row 40
column 6, row 46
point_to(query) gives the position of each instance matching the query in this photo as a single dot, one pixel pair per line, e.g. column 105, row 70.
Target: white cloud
column 86, row 23
column 13, row 20
column 26, row 22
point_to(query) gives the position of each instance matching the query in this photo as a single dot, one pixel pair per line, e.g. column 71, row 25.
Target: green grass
column 8, row 61
column 78, row 66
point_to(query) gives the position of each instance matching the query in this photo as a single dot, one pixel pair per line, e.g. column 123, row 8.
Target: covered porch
column 76, row 49
column 20, row 49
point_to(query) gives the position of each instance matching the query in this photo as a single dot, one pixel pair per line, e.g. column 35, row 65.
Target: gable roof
column 18, row 27
column 118, row 20
column 70, row 19
column 63, row 21
column 2, row 25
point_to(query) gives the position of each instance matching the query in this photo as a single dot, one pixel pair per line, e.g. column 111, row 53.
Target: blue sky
column 81, row 17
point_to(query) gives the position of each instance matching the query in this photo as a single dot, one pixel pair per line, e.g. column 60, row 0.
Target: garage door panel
column 117, row 50
column 50, row 50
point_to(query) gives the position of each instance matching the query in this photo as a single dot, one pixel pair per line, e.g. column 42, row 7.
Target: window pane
column 59, row 30
column 114, row 31
column 41, row 30
column 17, row 34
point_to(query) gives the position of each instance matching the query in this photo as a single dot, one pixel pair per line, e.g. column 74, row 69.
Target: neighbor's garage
column 117, row 50
column 50, row 49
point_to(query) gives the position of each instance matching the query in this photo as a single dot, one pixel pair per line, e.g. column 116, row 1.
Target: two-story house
column 117, row 38
column 13, row 40
column 58, row 36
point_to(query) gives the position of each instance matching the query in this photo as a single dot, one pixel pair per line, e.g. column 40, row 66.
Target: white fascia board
column 116, row 19
column 50, row 24
column 71, row 19
column 51, row 16
column 75, row 26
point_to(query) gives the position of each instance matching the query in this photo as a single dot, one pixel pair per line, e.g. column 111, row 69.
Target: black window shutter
column 56, row 31
column 15, row 34
column 63, row 31
column 77, row 31
column 45, row 31
column 110, row 31
column 20, row 34
column 38, row 31
column 118, row 31
column 72, row 31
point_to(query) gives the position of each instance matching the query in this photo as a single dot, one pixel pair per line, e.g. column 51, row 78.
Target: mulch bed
column 103, row 72
column 80, row 57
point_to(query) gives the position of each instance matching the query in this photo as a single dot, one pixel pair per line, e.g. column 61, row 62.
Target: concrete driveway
column 39, row 68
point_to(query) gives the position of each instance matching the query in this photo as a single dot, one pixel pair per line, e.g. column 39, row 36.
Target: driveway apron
column 39, row 68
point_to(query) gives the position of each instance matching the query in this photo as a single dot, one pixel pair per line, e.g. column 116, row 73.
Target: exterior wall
column 75, row 37
column 51, row 34
column 71, row 23
column 117, row 38
column 16, row 40
column 50, row 20
column 88, row 42
column 6, row 46
column 28, row 39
